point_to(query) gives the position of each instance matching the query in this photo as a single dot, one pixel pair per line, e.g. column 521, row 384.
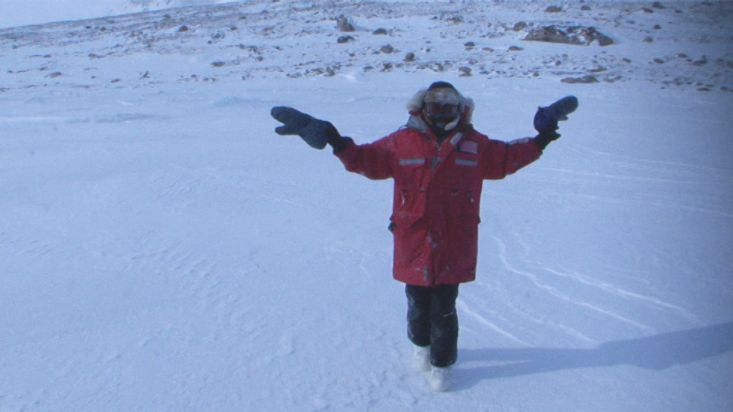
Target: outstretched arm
column 502, row 159
column 371, row 160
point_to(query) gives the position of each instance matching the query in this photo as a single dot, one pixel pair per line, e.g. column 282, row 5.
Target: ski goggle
column 441, row 109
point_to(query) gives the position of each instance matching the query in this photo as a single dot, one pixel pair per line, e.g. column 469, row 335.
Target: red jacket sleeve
column 373, row 160
column 501, row 159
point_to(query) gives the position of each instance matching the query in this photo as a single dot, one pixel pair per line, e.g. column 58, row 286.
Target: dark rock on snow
column 578, row 35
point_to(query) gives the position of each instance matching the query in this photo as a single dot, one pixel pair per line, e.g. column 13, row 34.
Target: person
column 438, row 162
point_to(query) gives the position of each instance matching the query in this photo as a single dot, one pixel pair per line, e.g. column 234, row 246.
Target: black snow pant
column 432, row 320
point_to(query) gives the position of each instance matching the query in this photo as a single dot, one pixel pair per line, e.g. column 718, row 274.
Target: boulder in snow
column 578, row 35
column 344, row 25
column 587, row 79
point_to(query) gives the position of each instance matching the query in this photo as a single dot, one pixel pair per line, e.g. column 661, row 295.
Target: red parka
column 437, row 193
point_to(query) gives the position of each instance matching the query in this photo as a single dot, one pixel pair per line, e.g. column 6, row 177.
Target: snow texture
column 162, row 249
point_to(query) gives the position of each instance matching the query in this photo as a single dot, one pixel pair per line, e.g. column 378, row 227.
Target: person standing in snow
column 438, row 162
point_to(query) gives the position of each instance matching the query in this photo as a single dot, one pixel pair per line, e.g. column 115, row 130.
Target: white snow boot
column 439, row 379
column 421, row 358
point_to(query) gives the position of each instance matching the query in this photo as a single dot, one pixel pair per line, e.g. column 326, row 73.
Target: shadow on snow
column 652, row 352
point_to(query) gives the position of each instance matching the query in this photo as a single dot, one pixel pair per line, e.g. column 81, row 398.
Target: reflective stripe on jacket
column 437, row 193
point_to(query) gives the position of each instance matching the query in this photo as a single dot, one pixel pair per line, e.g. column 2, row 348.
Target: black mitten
column 317, row 133
column 546, row 136
column 546, row 118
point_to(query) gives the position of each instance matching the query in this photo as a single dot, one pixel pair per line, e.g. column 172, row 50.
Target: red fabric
column 437, row 192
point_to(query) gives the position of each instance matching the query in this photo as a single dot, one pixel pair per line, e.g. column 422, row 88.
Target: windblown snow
column 161, row 248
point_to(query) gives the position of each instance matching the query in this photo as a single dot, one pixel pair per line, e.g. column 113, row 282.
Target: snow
column 163, row 249
column 28, row 12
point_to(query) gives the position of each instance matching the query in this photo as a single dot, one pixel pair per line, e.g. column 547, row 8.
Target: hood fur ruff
column 414, row 107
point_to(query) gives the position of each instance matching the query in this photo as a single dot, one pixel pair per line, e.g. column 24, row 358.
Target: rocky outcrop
column 577, row 35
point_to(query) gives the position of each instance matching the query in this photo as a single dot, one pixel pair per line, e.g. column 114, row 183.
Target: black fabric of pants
column 432, row 320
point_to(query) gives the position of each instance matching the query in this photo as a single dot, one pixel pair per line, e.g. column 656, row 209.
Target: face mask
column 441, row 114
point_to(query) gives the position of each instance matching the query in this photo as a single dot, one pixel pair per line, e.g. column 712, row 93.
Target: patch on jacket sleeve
column 468, row 146
column 412, row 162
column 467, row 162
column 521, row 141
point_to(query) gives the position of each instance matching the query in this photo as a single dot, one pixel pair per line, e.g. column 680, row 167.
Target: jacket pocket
column 463, row 243
column 410, row 234
column 463, row 204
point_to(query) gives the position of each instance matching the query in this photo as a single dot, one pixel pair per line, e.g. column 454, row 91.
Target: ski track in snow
column 465, row 308
column 557, row 294
column 587, row 280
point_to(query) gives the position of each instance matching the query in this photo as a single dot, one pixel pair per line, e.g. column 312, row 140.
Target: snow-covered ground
column 27, row 12
column 162, row 249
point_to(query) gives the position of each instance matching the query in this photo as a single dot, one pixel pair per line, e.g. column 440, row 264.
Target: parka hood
column 417, row 102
